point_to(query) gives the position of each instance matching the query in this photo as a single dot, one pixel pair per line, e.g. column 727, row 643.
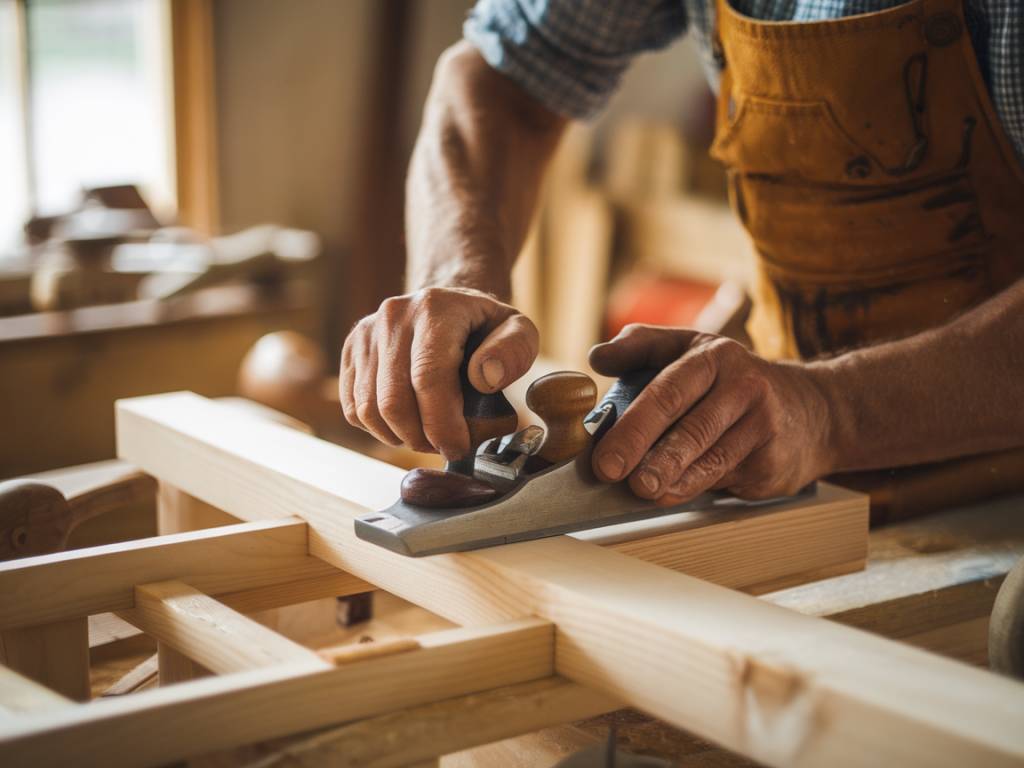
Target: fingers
column 505, row 355
column 717, row 464
column 364, row 392
column 396, row 397
column 671, row 394
column 435, row 358
column 640, row 346
column 695, row 445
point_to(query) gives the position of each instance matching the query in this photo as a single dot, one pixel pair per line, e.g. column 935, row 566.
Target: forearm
column 951, row 391
column 474, row 177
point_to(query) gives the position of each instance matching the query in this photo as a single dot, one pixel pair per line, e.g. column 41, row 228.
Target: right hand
column 400, row 366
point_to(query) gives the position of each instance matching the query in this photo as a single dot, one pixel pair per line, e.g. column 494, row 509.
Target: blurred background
column 180, row 178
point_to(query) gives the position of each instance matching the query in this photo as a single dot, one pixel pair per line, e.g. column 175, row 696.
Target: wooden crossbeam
column 779, row 687
column 430, row 730
column 234, row 559
column 210, row 633
column 162, row 725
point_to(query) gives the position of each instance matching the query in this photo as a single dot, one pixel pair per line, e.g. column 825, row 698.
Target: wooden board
column 210, row 633
column 223, row 711
column 779, row 687
column 230, row 559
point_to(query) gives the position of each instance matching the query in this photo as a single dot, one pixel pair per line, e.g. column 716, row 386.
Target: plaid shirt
column 570, row 54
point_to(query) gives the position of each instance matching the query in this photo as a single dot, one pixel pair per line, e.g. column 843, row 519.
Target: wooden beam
column 230, row 559
column 209, row 632
column 753, row 549
column 20, row 695
column 162, row 725
column 55, row 654
column 420, row 733
column 776, row 686
column 195, row 121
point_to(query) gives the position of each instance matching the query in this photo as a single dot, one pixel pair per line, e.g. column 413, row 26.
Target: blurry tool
column 80, row 274
column 1006, row 626
column 265, row 256
column 37, row 519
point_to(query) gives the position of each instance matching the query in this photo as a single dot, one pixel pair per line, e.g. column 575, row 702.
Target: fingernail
column 650, row 481
column 494, row 372
column 611, row 465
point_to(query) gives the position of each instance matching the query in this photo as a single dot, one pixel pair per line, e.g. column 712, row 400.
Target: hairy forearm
column 474, row 176
column 951, row 391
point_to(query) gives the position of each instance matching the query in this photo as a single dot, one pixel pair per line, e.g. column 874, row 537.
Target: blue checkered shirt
column 570, row 54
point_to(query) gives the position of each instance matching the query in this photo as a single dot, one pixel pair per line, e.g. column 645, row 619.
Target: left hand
column 716, row 417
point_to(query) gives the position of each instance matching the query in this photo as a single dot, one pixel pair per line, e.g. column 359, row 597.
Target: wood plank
column 141, row 675
column 431, row 730
column 162, row 725
column 19, row 694
column 228, row 559
column 55, row 655
column 746, row 548
column 210, row 633
column 174, row 667
column 779, row 687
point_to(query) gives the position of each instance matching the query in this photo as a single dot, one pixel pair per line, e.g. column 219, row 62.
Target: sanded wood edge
column 230, row 710
column 420, row 733
column 210, row 633
column 235, row 559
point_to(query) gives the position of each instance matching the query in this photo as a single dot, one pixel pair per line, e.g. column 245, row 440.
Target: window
column 86, row 100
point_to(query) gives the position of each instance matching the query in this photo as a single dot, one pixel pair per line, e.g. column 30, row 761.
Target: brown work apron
column 881, row 193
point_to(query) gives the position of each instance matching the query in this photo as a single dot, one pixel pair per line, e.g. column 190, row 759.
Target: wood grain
column 420, row 733
column 162, row 725
column 210, row 633
column 228, row 559
column 55, row 654
column 20, row 695
column 779, row 687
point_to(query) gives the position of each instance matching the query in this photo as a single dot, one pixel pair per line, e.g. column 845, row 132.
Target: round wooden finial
column 285, row 371
column 35, row 519
column 562, row 400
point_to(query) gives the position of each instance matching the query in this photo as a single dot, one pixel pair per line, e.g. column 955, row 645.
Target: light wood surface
column 19, row 694
column 225, row 711
column 409, row 735
column 55, row 654
column 229, row 559
column 754, row 549
column 210, row 633
column 777, row 686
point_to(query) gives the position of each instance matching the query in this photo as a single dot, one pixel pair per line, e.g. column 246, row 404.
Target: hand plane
column 531, row 483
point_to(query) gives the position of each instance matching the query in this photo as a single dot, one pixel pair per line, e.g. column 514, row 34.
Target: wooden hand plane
column 536, row 483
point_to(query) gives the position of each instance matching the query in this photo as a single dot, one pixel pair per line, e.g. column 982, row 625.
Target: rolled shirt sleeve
column 570, row 54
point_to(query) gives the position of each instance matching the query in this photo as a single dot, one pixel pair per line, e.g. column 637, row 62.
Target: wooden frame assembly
column 569, row 626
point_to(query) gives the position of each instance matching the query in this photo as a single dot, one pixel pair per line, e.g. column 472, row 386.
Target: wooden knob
column 444, row 490
column 35, row 519
column 562, row 400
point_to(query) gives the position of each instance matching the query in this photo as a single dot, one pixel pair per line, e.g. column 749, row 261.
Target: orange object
column 647, row 298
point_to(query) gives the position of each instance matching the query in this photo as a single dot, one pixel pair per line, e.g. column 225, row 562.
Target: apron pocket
column 790, row 139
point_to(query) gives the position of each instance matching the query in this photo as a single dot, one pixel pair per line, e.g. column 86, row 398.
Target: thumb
column 640, row 346
column 505, row 355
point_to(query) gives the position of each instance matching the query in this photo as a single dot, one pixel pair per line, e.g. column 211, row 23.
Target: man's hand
column 400, row 366
column 717, row 416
